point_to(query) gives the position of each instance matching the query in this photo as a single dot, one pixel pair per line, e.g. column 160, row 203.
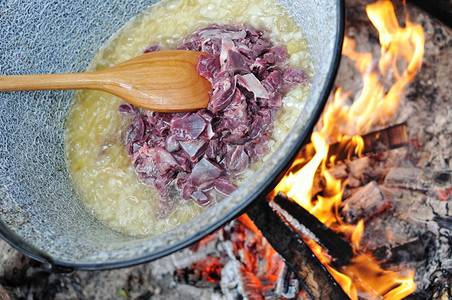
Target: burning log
column 364, row 204
column 381, row 140
column 436, row 184
column 311, row 227
column 414, row 250
column 298, row 256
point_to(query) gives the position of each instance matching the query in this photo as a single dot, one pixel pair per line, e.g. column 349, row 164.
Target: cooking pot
column 41, row 214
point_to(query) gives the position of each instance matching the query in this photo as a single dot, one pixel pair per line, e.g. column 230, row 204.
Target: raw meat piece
column 195, row 155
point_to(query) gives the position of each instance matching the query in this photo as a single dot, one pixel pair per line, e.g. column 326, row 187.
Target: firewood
column 414, row 250
column 203, row 273
column 381, row 140
column 231, row 282
column 365, row 203
column 313, row 276
column 307, row 224
column 436, row 184
column 339, row 171
column 420, row 210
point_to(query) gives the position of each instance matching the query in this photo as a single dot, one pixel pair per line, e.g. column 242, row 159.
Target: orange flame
column 400, row 46
column 402, row 50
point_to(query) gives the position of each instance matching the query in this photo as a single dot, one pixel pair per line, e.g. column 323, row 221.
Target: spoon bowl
column 164, row 81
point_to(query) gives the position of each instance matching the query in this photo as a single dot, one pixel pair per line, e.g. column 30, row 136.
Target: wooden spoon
column 165, row 81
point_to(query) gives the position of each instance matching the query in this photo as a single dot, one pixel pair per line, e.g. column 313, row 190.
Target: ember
column 206, row 270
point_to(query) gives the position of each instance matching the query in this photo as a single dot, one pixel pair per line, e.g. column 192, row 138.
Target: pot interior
column 40, row 211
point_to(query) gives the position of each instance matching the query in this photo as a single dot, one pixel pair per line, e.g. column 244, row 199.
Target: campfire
column 346, row 119
column 319, row 201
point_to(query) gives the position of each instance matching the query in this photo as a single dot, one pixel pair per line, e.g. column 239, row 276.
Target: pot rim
column 273, row 176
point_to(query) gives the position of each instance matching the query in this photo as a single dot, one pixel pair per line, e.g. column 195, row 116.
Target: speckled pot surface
column 40, row 212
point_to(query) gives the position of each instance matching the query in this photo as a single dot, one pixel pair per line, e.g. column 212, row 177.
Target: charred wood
column 381, row 140
column 420, row 210
column 441, row 287
column 231, row 281
column 365, row 203
column 313, row 276
column 360, row 171
column 444, row 222
column 339, row 249
column 252, row 266
column 436, row 184
column 414, row 214
column 414, row 250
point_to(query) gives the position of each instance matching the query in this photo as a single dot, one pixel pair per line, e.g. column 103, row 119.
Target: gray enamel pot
column 40, row 212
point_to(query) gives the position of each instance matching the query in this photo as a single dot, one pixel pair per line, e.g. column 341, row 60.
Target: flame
column 345, row 119
column 298, row 186
column 399, row 46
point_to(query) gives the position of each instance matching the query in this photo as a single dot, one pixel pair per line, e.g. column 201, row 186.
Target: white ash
column 231, row 281
column 287, row 285
column 426, row 180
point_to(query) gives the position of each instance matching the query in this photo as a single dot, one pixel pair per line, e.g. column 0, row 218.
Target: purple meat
column 223, row 87
column 208, row 66
column 135, row 131
column 253, row 85
column 188, row 128
column 236, row 63
column 293, row 77
column 126, row 108
column 236, row 159
column 224, row 186
column 152, row 48
column 165, row 161
column 194, row 148
column 194, row 155
column 203, row 171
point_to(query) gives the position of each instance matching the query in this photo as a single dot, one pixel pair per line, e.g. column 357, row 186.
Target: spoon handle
column 63, row 81
column 166, row 81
